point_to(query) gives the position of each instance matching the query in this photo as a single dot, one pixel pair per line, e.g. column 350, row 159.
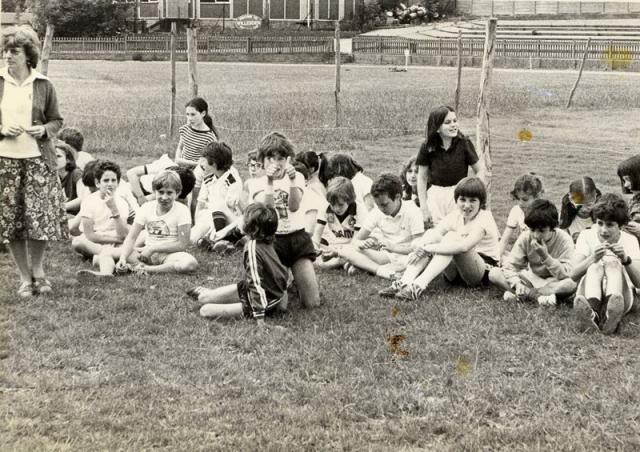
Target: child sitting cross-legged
column 464, row 243
column 264, row 283
column 538, row 268
column 398, row 221
column 167, row 224
column 607, row 264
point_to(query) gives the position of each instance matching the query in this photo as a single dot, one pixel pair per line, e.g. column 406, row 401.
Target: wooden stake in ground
column 483, row 145
column 575, row 85
column 459, row 79
column 192, row 52
column 172, row 108
column 337, row 91
column 46, row 49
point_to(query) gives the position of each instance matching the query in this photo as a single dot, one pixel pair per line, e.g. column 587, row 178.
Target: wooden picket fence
column 514, row 48
column 213, row 44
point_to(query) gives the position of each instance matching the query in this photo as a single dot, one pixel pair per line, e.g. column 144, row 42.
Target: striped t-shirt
column 194, row 141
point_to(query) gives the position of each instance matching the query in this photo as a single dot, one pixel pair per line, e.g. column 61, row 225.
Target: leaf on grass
column 463, row 367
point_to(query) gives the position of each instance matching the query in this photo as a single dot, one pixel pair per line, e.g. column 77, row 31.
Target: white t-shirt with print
column 338, row 232
column 222, row 193
column 287, row 221
column 398, row 229
column 95, row 208
column 162, row 229
column 488, row 244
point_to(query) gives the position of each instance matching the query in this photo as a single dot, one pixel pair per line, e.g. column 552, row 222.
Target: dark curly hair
column 541, row 214
column 630, row 168
column 611, row 207
column 260, row 222
column 387, row 184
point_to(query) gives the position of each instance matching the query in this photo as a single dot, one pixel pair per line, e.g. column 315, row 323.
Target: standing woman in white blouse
column 31, row 197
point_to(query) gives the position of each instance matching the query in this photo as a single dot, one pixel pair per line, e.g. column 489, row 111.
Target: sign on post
column 248, row 22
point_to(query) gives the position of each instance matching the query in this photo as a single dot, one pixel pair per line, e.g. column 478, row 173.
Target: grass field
column 130, row 365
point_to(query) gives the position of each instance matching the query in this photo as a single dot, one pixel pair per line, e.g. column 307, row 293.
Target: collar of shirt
column 4, row 73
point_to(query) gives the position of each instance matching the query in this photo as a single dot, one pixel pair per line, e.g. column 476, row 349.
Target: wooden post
column 172, row 108
column 337, row 91
column 459, row 79
column 483, row 145
column 192, row 55
column 575, row 85
column 46, row 49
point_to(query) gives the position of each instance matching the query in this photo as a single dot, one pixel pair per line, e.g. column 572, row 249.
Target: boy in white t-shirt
column 283, row 188
column 103, row 220
column 398, row 221
column 220, row 193
column 167, row 224
column 607, row 266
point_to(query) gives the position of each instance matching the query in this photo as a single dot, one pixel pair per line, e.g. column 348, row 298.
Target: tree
column 81, row 17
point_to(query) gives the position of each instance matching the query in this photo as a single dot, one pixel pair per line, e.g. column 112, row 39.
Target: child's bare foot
column 195, row 292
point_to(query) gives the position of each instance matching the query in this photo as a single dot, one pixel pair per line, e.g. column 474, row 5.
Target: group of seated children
column 294, row 208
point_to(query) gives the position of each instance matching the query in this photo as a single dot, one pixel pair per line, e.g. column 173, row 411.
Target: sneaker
column 391, row 291
column 204, row 244
column 586, row 318
column 41, row 286
column 124, row 270
column 223, row 247
column 91, row 275
column 352, row 270
column 510, row 297
column 615, row 311
column 409, row 293
column 547, row 300
column 25, row 290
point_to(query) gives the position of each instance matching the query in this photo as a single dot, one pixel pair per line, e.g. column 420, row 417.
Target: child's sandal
column 41, row 286
column 26, row 290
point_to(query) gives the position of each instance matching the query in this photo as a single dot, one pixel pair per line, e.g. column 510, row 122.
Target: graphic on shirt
column 158, row 229
column 281, row 201
column 341, row 228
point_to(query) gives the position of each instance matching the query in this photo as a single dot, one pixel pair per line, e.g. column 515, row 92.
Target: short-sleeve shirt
column 400, row 228
column 516, row 219
column 94, row 208
column 488, row 244
column 221, row 193
column 194, row 141
column 288, row 221
column 447, row 168
column 362, row 186
column 588, row 241
column 162, row 228
column 340, row 229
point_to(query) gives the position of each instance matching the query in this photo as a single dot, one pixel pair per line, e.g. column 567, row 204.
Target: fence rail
column 206, row 44
column 518, row 48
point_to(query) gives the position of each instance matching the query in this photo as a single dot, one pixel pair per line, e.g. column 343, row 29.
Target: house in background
column 280, row 13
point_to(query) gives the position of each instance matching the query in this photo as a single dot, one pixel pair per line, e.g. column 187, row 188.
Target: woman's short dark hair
column 387, row 184
column 23, row 37
column 471, row 187
column 107, row 165
column 89, row 173
column 541, row 214
column 315, row 162
column 611, row 207
column 343, row 165
column 69, row 154
column 630, row 168
column 220, row 153
column 260, row 222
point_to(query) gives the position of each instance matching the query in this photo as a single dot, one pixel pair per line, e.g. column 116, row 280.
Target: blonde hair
column 167, row 179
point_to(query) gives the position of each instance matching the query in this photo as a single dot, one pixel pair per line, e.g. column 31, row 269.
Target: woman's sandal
column 41, row 286
column 26, row 290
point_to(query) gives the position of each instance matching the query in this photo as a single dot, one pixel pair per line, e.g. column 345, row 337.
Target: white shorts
column 440, row 202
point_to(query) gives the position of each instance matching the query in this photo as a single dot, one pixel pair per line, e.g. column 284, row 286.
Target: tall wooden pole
column 337, row 91
column 192, row 55
column 46, row 49
column 459, row 79
column 172, row 108
column 483, row 144
column 575, row 85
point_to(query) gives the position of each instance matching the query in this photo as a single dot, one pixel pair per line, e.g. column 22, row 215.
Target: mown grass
column 130, row 365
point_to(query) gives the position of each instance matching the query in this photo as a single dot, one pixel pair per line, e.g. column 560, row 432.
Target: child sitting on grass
column 464, row 243
column 607, row 264
column 167, row 224
column 103, row 217
column 575, row 213
column 74, row 138
column 526, row 189
column 538, row 267
column 339, row 222
column 399, row 222
column 264, row 283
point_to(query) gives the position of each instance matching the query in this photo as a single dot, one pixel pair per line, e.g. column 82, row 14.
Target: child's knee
column 496, row 276
column 186, row 264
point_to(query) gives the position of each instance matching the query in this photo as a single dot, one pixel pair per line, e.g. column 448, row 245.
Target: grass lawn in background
column 130, row 365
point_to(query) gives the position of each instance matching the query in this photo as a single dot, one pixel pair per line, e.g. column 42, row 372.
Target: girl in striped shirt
column 195, row 134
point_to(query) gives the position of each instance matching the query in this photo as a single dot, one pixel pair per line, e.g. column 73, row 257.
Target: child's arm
column 129, row 243
column 507, row 237
column 581, row 262
column 452, row 248
column 516, row 261
column 423, row 180
column 73, row 205
column 222, row 233
column 184, row 232
column 182, row 161
column 631, row 265
column 478, row 170
column 559, row 267
column 316, row 238
column 243, row 202
column 295, row 193
column 88, row 228
column 401, row 248
column 134, row 181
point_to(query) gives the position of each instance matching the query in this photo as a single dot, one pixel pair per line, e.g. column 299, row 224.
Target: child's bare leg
column 614, row 274
column 306, row 282
column 496, row 277
column 85, row 246
column 334, row 262
column 436, row 266
column 470, row 266
column 413, row 271
column 615, row 308
column 74, row 225
column 593, row 282
column 222, row 311
column 219, row 295
column 107, row 260
column 174, row 263
column 142, row 238
column 558, row 287
column 368, row 260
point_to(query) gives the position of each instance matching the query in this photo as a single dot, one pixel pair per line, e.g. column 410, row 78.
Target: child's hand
column 121, row 265
column 110, row 201
column 36, row 131
column 618, row 250
column 600, row 251
column 12, row 131
column 521, row 290
column 289, row 170
column 271, row 171
column 632, row 228
column 370, row 243
column 145, row 255
column 540, row 249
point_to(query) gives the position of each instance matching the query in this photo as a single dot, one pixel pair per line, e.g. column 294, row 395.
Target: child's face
column 635, row 216
column 209, row 167
column 449, row 128
column 166, row 196
column 108, row 183
column 524, row 199
column 388, row 206
column 194, row 117
column 627, row 183
column 277, row 160
column 340, row 207
column 608, row 231
column 61, row 159
column 412, row 175
column 542, row 235
column 255, row 168
column 469, row 206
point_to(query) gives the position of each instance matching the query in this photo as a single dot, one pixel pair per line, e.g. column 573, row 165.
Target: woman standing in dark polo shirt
column 443, row 160
column 31, row 197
